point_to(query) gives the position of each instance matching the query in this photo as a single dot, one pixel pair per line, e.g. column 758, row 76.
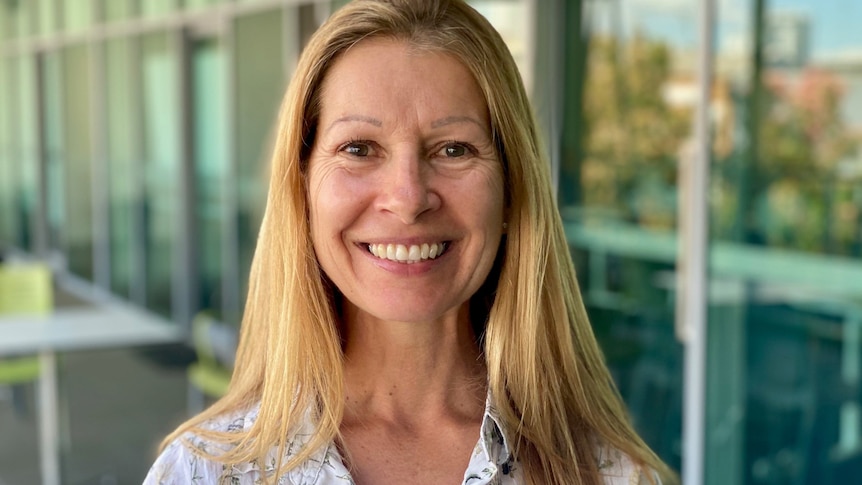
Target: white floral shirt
column 490, row 464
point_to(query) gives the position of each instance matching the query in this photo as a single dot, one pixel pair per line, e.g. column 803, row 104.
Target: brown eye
column 455, row 150
column 356, row 149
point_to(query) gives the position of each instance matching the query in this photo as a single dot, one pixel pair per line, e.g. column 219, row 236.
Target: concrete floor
column 120, row 404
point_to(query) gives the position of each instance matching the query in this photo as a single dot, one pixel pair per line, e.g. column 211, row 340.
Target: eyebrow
column 363, row 119
column 449, row 120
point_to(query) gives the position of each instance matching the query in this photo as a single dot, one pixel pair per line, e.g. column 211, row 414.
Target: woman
column 413, row 314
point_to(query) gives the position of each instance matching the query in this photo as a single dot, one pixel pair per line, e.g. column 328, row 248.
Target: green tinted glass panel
column 194, row 4
column 119, row 9
column 159, row 74
column 47, row 16
column 27, row 153
column 77, row 161
column 7, row 185
column 27, row 19
column 79, row 14
column 210, row 164
column 260, row 85
column 15, row 19
column 122, row 104
column 785, row 310
column 150, row 8
column 52, row 139
column 618, row 156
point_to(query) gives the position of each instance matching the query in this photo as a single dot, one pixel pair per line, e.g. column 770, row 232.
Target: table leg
column 49, row 436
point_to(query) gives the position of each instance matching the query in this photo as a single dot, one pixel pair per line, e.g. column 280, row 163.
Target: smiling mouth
column 413, row 253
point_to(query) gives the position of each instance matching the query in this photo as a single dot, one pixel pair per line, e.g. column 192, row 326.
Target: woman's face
column 404, row 183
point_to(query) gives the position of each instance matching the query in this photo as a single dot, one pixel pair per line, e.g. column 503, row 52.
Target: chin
column 407, row 311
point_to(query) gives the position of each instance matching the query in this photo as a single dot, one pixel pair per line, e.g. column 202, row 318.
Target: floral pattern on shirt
column 491, row 462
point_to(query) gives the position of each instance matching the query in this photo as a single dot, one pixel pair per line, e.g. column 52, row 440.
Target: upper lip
column 406, row 241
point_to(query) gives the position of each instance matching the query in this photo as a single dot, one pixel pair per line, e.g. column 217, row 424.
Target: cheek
column 489, row 199
column 333, row 203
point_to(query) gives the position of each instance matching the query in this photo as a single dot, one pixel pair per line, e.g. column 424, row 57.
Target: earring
column 505, row 225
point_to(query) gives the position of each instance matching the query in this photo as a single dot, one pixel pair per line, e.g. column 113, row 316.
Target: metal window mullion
column 692, row 313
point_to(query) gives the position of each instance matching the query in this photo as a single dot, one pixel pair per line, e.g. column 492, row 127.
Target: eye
column 357, row 148
column 455, row 150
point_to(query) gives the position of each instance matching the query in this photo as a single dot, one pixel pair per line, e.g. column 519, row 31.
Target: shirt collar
column 493, row 440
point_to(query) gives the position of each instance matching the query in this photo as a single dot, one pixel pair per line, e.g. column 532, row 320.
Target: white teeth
column 407, row 254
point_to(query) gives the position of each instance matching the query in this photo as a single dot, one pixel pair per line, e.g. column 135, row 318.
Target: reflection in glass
column 52, row 150
column 787, row 242
column 77, row 156
column 260, row 83
column 628, row 79
column 78, row 15
column 151, row 8
column 119, row 9
column 47, row 16
column 209, row 118
column 123, row 160
column 7, row 177
column 19, row 152
column 159, row 74
column 27, row 154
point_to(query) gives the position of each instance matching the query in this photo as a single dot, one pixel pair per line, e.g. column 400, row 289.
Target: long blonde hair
column 546, row 373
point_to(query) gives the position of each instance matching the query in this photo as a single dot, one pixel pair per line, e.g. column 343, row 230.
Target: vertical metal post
column 49, row 426
column 692, row 263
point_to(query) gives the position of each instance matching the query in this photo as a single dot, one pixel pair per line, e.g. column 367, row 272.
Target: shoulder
column 187, row 459
column 617, row 468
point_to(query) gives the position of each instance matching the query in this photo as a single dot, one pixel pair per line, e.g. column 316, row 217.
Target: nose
column 406, row 189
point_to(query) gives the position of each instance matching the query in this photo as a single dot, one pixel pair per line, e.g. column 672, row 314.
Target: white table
column 102, row 325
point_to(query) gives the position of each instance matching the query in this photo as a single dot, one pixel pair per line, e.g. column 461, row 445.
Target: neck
column 404, row 371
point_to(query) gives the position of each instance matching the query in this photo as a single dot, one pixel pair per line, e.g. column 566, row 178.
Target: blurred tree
column 803, row 141
column 633, row 135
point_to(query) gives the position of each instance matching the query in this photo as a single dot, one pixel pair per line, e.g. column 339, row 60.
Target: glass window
column 209, row 119
column 260, row 82
column 8, row 233
column 508, row 17
column 52, row 138
column 786, row 244
column 192, row 4
column 123, row 160
column 626, row 114
column 16, row 19
column 119, row 9
column 161, row 150
column 47, row 16
column 151, row 8
column 77, row 160
column 79, row 14
column 27, row 154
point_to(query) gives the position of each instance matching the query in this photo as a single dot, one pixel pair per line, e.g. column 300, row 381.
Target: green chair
column 209, row 376
column 25, row 289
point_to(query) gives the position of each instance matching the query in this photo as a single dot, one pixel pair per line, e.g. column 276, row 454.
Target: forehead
column 383, row 73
